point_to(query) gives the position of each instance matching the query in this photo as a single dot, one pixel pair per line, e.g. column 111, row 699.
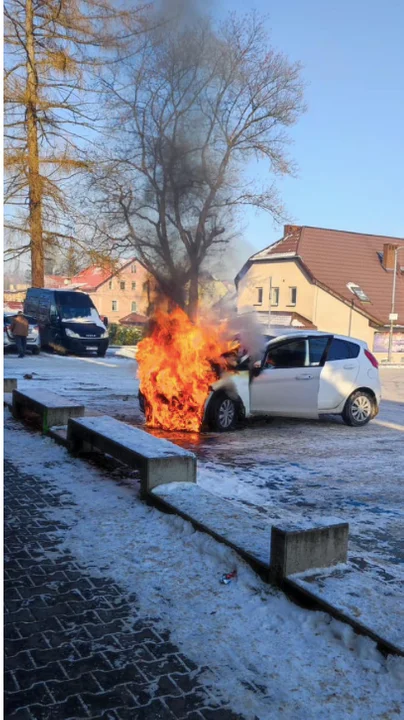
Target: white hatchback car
column 304, row 374
column 33, row 340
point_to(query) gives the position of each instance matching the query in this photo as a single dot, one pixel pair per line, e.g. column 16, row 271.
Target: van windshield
column 79, row 314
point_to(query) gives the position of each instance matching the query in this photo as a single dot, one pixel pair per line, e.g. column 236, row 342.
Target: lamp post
column 393, row 301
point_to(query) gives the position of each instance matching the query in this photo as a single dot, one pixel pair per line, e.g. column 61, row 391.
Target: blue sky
column 350, row 143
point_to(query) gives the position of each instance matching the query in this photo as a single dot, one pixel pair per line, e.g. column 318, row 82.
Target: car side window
column 288, row 355
column 342, row 350
column 317, row 347
column 53, row 312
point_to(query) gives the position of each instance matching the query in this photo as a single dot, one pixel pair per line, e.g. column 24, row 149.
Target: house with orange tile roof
column 332, row 280
column 118, row 291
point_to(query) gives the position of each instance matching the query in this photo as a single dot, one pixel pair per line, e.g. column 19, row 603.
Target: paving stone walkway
column 75, row 645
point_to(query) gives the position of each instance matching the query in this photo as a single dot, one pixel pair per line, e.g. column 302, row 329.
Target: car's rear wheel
column 359, row 409
column 222, row 413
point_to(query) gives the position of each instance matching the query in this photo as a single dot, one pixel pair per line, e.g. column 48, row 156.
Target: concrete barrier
column 296, row 549
column 159, row 461
column 51, row 408
column 10, row 384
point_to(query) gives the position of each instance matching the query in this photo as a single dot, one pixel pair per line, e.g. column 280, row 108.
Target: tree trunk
column 34, row 178
column 193, row 296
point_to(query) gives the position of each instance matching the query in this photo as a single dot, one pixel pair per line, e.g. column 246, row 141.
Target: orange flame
column 175, row 369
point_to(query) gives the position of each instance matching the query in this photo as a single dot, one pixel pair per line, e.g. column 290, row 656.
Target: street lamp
column 393, row 315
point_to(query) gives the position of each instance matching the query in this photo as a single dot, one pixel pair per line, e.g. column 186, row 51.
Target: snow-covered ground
column 265, row 656
column 284, row 469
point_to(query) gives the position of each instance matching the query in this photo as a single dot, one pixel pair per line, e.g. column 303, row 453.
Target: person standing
column 19, row 328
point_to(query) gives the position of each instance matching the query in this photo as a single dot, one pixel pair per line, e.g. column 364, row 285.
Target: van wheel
column 35, row 351
column 359, row 409
column 101, row 352
column 223, row 413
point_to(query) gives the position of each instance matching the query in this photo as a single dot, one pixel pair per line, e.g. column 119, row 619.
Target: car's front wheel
column 142, row 402
column 35, row 350
column 359, row 409
column 222, row 413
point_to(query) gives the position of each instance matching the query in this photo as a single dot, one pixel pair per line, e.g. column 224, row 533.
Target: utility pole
column 393, row 315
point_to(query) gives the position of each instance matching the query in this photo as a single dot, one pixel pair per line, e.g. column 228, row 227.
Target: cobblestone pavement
column 75, row 645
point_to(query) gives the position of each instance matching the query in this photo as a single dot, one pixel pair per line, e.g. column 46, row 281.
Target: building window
column 133, row 286
column 133, row 268
column 133, row 307
column 275, row 296
column 122, row 285
column 259, row 296
column 114, row 305
column 110, row 284
column 292, row 295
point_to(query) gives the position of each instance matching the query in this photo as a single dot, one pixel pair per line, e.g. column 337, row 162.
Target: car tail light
column 371, row 358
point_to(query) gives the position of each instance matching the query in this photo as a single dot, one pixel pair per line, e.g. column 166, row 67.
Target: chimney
column 388, row 256
column 291, row 230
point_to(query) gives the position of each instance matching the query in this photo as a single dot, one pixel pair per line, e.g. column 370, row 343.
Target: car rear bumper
column 31, row 343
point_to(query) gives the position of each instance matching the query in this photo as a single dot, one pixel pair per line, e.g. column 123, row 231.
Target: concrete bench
column 278, row 550
column 10, row 384
column 51, row 408
column 158, row 460
column 296, row 547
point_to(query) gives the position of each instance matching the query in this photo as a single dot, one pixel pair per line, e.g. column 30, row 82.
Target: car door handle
column 349, row 367
column 304, row 377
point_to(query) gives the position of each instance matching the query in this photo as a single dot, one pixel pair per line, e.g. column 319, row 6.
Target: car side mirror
column 105, row 321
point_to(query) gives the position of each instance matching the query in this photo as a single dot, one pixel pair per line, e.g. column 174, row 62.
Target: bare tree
column 53, row 50
column 190, row 112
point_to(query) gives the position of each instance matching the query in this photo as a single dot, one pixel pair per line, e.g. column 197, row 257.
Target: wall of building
column 332, row 315
column 14, row 295
column 325, row 311
column 282, row 274
column 111, row 292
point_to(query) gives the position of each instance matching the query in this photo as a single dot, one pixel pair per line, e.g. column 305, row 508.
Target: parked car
column 67, row 319
column 304, row 374
column 33, row 341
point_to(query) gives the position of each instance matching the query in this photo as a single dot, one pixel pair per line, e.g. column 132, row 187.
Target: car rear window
column 342, row 350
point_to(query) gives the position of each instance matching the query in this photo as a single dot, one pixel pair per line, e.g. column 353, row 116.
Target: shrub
column 121, row 335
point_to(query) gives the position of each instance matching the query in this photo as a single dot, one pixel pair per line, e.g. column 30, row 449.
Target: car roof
column 14, row 314
column 315, row 333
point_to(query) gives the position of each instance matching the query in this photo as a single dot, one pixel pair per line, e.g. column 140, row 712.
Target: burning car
column 302, row 375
